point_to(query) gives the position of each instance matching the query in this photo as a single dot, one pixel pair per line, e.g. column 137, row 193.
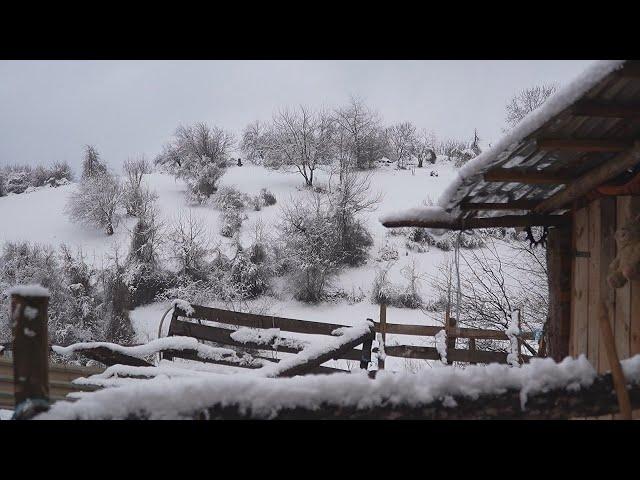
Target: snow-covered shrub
column 61, row 173
column 383, row 291
column 39, row 176
column 3, row 183
column 308, row 235
column 267, row 197
column 250, row 273
column 387, row 252
column 198, row 154
column 95, row 202
column 230, row 198
column 72, row 311
column 117, row 327
column 231, row 222
column 18, row 179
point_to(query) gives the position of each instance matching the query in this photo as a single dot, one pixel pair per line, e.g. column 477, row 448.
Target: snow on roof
column 176, row 398
column 31, row 290
column 473, row 170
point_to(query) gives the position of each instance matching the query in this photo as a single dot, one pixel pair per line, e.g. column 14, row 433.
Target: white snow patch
column 174, row 398
column 31, row 290
column 441, row 344
column 184, row 306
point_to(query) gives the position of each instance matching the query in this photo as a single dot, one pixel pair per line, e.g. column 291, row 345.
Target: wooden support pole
column 30, row 350
column 383, row 333
column 472, row 348
column 559, row 255
column 451, row 336
column 619, row 382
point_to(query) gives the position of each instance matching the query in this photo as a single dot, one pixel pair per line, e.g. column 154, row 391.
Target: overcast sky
column 50, row 109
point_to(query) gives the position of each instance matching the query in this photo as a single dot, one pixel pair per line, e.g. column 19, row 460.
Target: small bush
column 231, row 222
column 267, row 197
column 230, row 198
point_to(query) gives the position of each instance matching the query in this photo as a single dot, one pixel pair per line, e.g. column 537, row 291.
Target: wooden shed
column 572, row 166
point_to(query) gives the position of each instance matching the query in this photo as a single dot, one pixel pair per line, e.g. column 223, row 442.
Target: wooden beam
column 559, row 256
column 591, row 108
column 584, row 145
column 527, row 176
column 592, row 179
column 488, row 222
column 631, row 69
column 511, row 205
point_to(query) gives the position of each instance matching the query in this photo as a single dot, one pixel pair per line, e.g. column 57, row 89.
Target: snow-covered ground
column 39, row 217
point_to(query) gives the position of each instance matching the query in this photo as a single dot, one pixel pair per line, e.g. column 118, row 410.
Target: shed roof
column 584, row 135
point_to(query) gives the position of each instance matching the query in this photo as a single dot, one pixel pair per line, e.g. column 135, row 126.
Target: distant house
column 572, row 166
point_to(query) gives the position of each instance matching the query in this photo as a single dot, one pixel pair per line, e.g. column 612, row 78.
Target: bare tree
column 255, row 142
column 301, row 139
column 504, row 276
column 96, row 201
column 424, row 147
column 91, row 163
column 526, row 101
column 359, row 135
column 135, row 194
column 189, row 244
column 402, row 139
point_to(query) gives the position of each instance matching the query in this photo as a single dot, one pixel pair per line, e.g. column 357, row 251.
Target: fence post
column 366, row 348
column 30, row 350
column 472, row 348
column 383, row 333
column 451, row 336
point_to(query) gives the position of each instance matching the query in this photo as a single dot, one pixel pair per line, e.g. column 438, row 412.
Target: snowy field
column 39, row 217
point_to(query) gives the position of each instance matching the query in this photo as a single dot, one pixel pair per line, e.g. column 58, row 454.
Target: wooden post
column 619, row 383
column 559, row 260
column 366, row 348
column 472, row 348
column 451, row 336
column 30, row 350
column 383, row 332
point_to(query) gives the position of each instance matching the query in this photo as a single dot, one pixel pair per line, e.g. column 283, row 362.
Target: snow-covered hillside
column 39, row 217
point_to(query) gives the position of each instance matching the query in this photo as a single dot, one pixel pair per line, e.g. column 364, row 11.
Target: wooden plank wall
column 594, row 229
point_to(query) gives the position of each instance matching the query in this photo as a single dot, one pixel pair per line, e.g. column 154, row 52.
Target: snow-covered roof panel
column 533, row 145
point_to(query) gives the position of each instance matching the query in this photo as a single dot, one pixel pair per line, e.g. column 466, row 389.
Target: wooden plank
column 531, row 177
column 485, row 222
column 604, row 109
column 634, row 323
column 592, row 179
column 252, row 320
column 312, row 361
column 512, row 205
column 584, row 144
column 223, row 337
column 607, row 254
column 594, row 282
column 109, row 357
column 580, row 297
column 559, row 272
column 621, row 328
column 432, row 330
column 456, row 355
